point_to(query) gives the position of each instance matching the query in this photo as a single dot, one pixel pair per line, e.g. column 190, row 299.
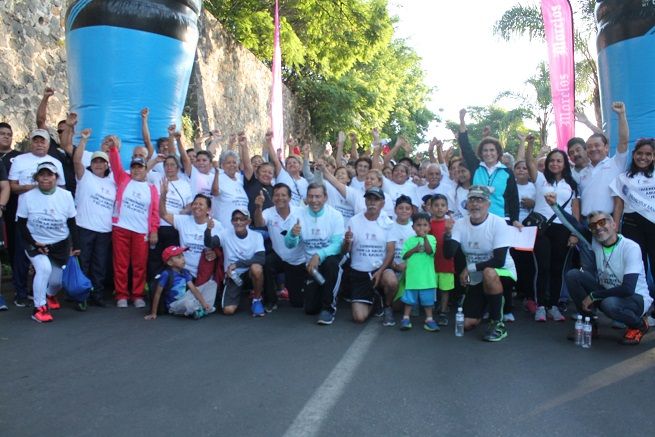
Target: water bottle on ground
column 586, row 342
column 579, row 333
column 318, row 277
column 459, row 323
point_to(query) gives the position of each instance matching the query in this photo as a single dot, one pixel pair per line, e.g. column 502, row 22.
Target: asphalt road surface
column 108, row 372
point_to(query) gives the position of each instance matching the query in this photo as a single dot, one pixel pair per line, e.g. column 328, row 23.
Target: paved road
column 108, row 372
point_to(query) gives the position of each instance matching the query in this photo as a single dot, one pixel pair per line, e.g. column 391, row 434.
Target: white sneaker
column 553, row 313
column 139, row 303
column 540, row 315
column 509, row 317
column 121, row 303
column 651, row 321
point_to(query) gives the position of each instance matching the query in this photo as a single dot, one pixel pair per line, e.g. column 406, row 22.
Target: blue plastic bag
column 76, row 284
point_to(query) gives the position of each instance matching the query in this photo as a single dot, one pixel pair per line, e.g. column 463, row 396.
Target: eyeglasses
column 597, row 224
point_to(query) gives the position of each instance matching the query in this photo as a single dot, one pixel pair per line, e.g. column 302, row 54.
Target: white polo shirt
column 595, row 193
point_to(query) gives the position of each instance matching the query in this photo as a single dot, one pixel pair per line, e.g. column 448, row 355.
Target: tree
column 527, row 21
column 505, row 125
column 341, row 60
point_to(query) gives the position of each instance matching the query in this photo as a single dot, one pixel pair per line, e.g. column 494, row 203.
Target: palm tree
column 527, row 21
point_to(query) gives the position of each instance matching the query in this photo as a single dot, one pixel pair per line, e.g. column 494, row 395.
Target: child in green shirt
column 418, row 253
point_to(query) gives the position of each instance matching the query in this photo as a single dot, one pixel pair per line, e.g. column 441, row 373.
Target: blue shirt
column 177, row 284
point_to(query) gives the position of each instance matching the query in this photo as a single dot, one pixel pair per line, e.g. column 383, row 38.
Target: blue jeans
column 628, row 310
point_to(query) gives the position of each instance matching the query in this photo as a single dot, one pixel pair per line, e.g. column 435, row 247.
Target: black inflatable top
column 171, row 18
column 619, row 20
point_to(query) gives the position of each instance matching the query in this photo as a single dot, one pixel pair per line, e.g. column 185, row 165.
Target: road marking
column 310, row 419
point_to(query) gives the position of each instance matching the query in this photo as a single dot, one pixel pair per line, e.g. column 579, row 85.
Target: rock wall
column 229, row 89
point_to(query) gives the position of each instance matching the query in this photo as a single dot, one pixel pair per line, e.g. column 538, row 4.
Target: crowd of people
column 190, row 230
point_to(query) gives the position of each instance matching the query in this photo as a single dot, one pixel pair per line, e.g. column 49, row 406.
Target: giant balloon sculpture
column 626, row 60
column 124, row 55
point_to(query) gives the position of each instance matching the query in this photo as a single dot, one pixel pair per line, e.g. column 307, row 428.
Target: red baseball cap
column 172, row 251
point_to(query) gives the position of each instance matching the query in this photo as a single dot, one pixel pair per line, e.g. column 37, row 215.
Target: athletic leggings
column 550, row 249
column 47, row 279
column 642, row 231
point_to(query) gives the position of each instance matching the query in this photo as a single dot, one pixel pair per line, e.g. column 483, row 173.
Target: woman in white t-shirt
column 191, row 228
column 525, row 262
column 552, row 245
column 227, row 189
column 634, row 199
column 46, row 221
column 290, row 175
column 354, row 196
column 94, row 197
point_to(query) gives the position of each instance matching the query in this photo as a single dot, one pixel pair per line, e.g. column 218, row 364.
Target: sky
column 462, row 58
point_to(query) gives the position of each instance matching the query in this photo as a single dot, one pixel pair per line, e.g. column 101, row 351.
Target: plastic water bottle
column 459, row 322
column 318, row 277
column 579, row 333
column 236, row 278
column 586, row 341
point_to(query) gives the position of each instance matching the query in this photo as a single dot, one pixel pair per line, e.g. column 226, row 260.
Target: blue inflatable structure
column 124, row 55
column 626, row 61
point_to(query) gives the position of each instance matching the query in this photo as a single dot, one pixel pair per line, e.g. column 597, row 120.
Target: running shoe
column 651, row 321
column 563, row 307
column 325, row 318
column 530, row 306
column 633, row 336
column 269, row 308
column 42, row 314
column 496, row 331
column 199, row 314
column 121, row 303
column 283, row 294
column 405, row 324
column 257, row 308
column 555, row 315
column 442, row 319
column 388, row 319
column 20, row 302
column 3, row 304
column 509, row 317
column 139, row 303
column 53, row 303
column 431, row 326
column 81, row 306
column 540, row 314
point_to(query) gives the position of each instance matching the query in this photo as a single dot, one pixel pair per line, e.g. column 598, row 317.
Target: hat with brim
column 241, row 211
column 47, row 166
column 138, row 161
column 100, row 154
column 172, row 251
column 479, row 192
column 374, row 192
column 40, row 133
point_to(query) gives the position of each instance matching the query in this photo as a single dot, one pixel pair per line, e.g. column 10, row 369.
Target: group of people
column 196, row 229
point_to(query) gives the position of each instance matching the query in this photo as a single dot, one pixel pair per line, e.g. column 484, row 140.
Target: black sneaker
column 81, row 306
column 21, row 302
column 325, row 318
column 496, row 331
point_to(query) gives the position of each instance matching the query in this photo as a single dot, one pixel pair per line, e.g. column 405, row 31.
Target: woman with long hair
column 551, row 246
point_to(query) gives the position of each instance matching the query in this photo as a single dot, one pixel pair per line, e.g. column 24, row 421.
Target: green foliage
column 342, row 61
column 505, row 125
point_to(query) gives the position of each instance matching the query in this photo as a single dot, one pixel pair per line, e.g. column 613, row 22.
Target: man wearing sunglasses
column 618, row 288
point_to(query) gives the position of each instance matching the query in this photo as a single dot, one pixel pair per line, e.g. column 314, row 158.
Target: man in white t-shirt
column 618, row 287
column 243, row 260
column 319, row 231
column 480, row 244
column 21, row 175
column 279, row 220
column 435, row 186
column 371, row 249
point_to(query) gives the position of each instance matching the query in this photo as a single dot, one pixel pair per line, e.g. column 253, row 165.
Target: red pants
column 129, row 248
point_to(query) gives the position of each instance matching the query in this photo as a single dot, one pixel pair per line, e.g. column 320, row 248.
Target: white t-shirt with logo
column 192, row 236
column 338, row 202
column 561, row 188
column 178, row 197
column 240, row 249
column 317, row 232
column 460, row 200
column 479, row 241
column 232, row 196
column 94, row 198
column 395, row 190
column 398, row 234
column 24, row 166
column 135, row 207
column 201, row 183
column 623, row 260
column 526, row 191
column 369, row 245
column 47, row 214
column 277, row 230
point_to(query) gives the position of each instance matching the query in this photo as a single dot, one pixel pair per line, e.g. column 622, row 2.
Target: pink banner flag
column 277, row 114
column 558, row 24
